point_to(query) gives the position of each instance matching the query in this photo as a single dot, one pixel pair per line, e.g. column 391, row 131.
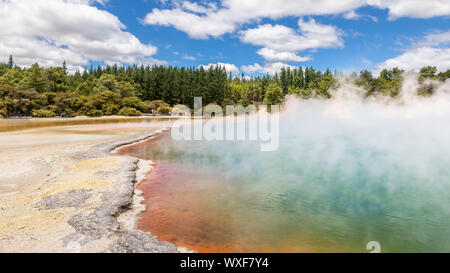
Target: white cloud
column 282, row 38
column 281, row 43
column 50, row 31
column 435, row 39
column 353, row 15
column 216, row 22
column 196, row 26
column 413, row 8
column 430, row 50
column 230, row 68
column 194, row 7
column 202, row 21
column 418, row 58
column 283, row 56
column 189, row 57
column 270, row 68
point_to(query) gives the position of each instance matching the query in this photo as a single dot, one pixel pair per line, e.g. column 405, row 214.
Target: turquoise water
column 332, row 186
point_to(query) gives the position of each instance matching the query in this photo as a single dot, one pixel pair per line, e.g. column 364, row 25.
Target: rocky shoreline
column 65, row 190
column 116, row 218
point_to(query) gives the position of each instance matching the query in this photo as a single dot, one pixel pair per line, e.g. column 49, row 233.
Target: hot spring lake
column 336, row 183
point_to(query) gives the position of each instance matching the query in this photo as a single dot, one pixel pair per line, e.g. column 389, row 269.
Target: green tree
column 428, row 72
column 274, row 94
column 10, row 62
column 64, row 68
column 126, row 89
column 36, row 79
column 365, row 79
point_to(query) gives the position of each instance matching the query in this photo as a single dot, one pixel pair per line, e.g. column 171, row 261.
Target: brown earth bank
column 62, row 190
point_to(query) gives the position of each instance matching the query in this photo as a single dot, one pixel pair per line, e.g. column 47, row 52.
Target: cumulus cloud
column 283, row 56
column 281, row 38
column 202, row 21
column 281, row 43
column 50, row 31
column 419, row 57
column 435, row 39
column 196, row 26
column 431, row 49
column 230, row 68
column 413, row 8
column 270, row 68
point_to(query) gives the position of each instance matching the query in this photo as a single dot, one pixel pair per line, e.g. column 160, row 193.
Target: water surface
column 333, row 186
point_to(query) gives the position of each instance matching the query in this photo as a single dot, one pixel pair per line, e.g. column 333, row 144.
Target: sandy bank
column 61, row 190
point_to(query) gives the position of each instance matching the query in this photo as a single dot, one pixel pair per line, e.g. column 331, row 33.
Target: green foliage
column 114, row 90
column 128, row 111
column 365, row 79
column 10, row 62
column 274, row 94
column 94, row 113
column 111, row 109
column 148, row 107
column 42, row 113
column 428, row 72
column 36, row 79
column 388, row 84
column 324, row 85
column 133, row 102
column 3, row 110
column 164, row 110
column 443, row 76
column 126, row 89
column 161, row 107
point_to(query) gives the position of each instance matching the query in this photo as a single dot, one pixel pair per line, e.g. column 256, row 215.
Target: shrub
column 164, row 110
column 69, row 113
column 95, row 113
column 159, row 103
column 148, row 107
column 111, row 109
column 128, row 111
column 133, row 102
column 3, row 110
column 42, row 113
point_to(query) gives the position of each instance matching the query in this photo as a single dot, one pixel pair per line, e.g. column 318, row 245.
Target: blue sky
column 252, row 36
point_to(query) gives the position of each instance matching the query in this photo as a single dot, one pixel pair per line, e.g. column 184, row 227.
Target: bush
column 164, row 110
column 42, row 113
column 95, row 113
column 69, row 113
column 133, row 102
column 159, row 103
column 148, row 107
column 3, row 110
column 111, row 109
column 128, row 111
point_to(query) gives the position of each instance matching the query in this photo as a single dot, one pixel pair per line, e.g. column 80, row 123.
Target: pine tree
column 37, row 80
column 274, row 94
column 64, row 68
column 10, row 62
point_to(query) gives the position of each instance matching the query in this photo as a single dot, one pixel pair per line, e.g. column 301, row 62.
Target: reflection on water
column 317, row 193
column 8, row 125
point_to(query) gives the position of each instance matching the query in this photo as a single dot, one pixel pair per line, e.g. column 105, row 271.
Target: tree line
column 133, row 90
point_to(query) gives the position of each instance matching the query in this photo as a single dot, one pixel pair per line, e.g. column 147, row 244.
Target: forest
column 136, row 90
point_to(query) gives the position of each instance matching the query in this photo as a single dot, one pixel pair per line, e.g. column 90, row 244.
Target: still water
column 333, row 186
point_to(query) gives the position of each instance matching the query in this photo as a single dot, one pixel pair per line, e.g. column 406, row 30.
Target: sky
column 253, row 37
